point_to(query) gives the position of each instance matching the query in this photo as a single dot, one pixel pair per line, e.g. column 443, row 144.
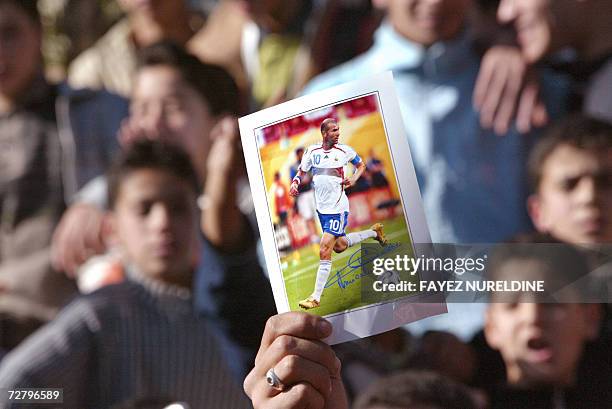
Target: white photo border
column 359, row 322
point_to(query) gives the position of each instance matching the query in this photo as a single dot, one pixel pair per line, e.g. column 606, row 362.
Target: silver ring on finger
column 274, row 381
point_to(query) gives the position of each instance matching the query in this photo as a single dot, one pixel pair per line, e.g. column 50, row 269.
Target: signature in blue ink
column 348, row 275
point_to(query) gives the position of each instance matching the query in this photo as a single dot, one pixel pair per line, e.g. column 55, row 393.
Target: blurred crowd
column 129, row 267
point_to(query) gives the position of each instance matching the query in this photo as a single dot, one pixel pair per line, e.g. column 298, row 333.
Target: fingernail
column 324, row 328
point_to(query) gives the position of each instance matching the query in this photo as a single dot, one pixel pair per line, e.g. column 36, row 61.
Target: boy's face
column 19, row 50
column 540, row 343
column 426, row 21
column 574, row 200
column 155, row 221
column 164, row 105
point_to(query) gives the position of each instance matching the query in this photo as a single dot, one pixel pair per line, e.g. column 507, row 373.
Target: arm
column 360, row 168
column 222, row 222
column 79, row 234
column 233, row 292
column 295, row 183
column 77, row 237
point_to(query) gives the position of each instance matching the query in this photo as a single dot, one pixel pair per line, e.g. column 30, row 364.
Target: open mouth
column 540, row 350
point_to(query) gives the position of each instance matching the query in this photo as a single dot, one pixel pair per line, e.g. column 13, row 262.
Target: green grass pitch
column 343, row 290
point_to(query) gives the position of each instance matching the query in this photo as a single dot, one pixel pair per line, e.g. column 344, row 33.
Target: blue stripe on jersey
column 356, row 160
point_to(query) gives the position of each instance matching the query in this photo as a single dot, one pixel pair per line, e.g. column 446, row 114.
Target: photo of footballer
column 329, row 172
column 326, row 162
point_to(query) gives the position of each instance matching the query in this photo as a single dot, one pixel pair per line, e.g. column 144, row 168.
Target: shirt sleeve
column 351, row 156
column 95, row 193
column 233, row 291
column 306, row 161
column 84, row 71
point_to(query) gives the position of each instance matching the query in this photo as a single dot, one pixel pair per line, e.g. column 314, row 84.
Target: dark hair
column 29, row 7
column 579, row 131
column 213, row 83
column 416, row 388
column 150, row 154
column 325, row 122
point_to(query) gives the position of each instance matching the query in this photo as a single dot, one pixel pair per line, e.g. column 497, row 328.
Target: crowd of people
column 130, row 274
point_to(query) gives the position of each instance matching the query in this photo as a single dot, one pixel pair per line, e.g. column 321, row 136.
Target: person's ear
column 534, row 208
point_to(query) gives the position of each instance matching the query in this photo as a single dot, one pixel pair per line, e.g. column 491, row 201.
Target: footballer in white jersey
column 328, row 169
column 327, row 163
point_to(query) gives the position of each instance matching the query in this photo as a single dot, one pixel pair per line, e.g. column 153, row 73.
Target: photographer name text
column 461, row 286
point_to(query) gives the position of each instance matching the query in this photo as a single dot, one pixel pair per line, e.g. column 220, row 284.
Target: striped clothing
column 132, row 340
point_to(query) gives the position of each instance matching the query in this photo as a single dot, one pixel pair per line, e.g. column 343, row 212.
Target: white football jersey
column 328, row 169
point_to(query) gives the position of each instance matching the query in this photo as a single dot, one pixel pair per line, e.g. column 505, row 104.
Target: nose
column 586, row 191
column 506, row 11
column 159, row 218
column 155, row 121
column 533, row 313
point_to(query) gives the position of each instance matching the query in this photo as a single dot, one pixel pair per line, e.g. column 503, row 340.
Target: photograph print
column 325, row 181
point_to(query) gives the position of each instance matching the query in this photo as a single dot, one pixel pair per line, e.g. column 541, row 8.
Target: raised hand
column 306, row 370
column 77, row 237
column 507, row 90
